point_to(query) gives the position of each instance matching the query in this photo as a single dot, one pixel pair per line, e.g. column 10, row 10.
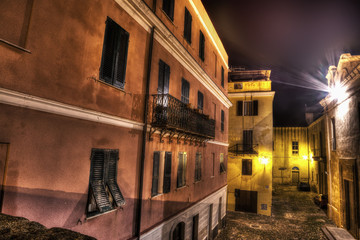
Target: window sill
column 15, row 46
column 156, row 196
column 212, row 176
column 100, row 214
column 182, row 187
column 198, row 181
column 169, row 18
column 109, row 85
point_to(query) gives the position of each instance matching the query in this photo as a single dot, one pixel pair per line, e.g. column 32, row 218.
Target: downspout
column 143, row 149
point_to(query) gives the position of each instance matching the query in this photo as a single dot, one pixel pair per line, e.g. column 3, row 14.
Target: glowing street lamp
column 264, row 160
column 337, row 93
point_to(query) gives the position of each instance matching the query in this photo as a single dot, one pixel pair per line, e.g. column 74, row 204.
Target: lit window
column 181, row 173
column 295, row 148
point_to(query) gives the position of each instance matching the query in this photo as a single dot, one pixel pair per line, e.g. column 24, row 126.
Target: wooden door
column 245, row 201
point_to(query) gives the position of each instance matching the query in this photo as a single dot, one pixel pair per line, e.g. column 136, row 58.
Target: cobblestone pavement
column 294, row 216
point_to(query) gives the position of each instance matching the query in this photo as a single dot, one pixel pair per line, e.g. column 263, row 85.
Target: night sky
column 297, row 40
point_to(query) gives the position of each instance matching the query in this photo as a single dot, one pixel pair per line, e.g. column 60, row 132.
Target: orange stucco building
column 113, row 117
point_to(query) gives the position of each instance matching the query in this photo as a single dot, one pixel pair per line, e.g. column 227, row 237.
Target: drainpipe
column 142, row 159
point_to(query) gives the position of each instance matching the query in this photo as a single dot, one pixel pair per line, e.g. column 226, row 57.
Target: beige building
column 250, row 141
column 342, row 112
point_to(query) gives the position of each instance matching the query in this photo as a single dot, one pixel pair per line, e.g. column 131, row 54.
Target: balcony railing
column 171, row 114
column 243, row 149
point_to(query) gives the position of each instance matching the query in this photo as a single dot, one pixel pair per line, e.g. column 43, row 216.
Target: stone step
column 335, row 233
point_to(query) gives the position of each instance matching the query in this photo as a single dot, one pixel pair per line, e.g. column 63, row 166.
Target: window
column 113, row 62
column 247, row 167
column 200, row 101
column 215, row 64
column 295, row 148
column 104, row 192
column 247, row 108
column 222, row 164
column 202, row 46
column 168, row 8
column 187, row 26
column 248, row 140
column 222, row 120
column 155, row 177
column 164, row 77
column 161, row 181
column 185, row 88
column 181, row 174
column 198, row 166
column 195, row 227
column 333, row 134
column 222, row 76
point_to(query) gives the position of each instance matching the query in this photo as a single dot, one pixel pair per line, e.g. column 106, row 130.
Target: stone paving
column 294, row 216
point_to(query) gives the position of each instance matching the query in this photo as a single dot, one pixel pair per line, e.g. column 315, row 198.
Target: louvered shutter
column 166, row 78
column 97, row 180
column 180, row 170
column 200, row 100
column 155, row 177
column 187, row 26
column 161, row 77
column 171, row 10
column 255, row 106
column 222, row 77
column 111, row 181
column 202, row 46
column 109, row 49
column 239, row 108
column 167, row 173
column 222, row 120
column 121, row 57
column 185, row 86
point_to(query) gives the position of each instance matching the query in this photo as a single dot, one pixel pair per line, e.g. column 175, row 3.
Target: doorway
column 295, row 176
column 246, row 201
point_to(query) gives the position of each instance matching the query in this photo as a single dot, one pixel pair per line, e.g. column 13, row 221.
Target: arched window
column 179, row 231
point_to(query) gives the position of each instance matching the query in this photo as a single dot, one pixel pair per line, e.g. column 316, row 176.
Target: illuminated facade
column 114, row 117
column 342, row 112
column 250, row 141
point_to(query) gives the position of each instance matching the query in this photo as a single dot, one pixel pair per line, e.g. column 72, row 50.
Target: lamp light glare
column 337, row 93
column 264, row 160
column 305, row 157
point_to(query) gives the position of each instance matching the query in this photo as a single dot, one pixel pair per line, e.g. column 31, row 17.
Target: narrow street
column 294, row 216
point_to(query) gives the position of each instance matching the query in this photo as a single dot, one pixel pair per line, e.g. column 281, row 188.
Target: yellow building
column 250, row 141
column 294, row 154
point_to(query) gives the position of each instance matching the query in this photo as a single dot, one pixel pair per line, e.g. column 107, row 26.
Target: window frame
column 168, row 8
column 222, row 121
column 246, row 167
column 200, row 105
column 202, row 46
column 198, row 160
column 185, row 91
column 181, row 170
column 187, row 25
column 103, row 183
column 295, row 147
column 222, row 163
column 222, row 76
column 115, row 49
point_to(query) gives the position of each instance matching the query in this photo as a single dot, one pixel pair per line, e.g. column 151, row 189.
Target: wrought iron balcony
column 239, row 149
column 170, row 114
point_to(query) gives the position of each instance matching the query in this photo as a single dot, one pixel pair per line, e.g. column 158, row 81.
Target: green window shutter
column 239, row 111
column 255, row 106
column 167, row 173
column 113, row 157
column 97, row 180
column 155, row 177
